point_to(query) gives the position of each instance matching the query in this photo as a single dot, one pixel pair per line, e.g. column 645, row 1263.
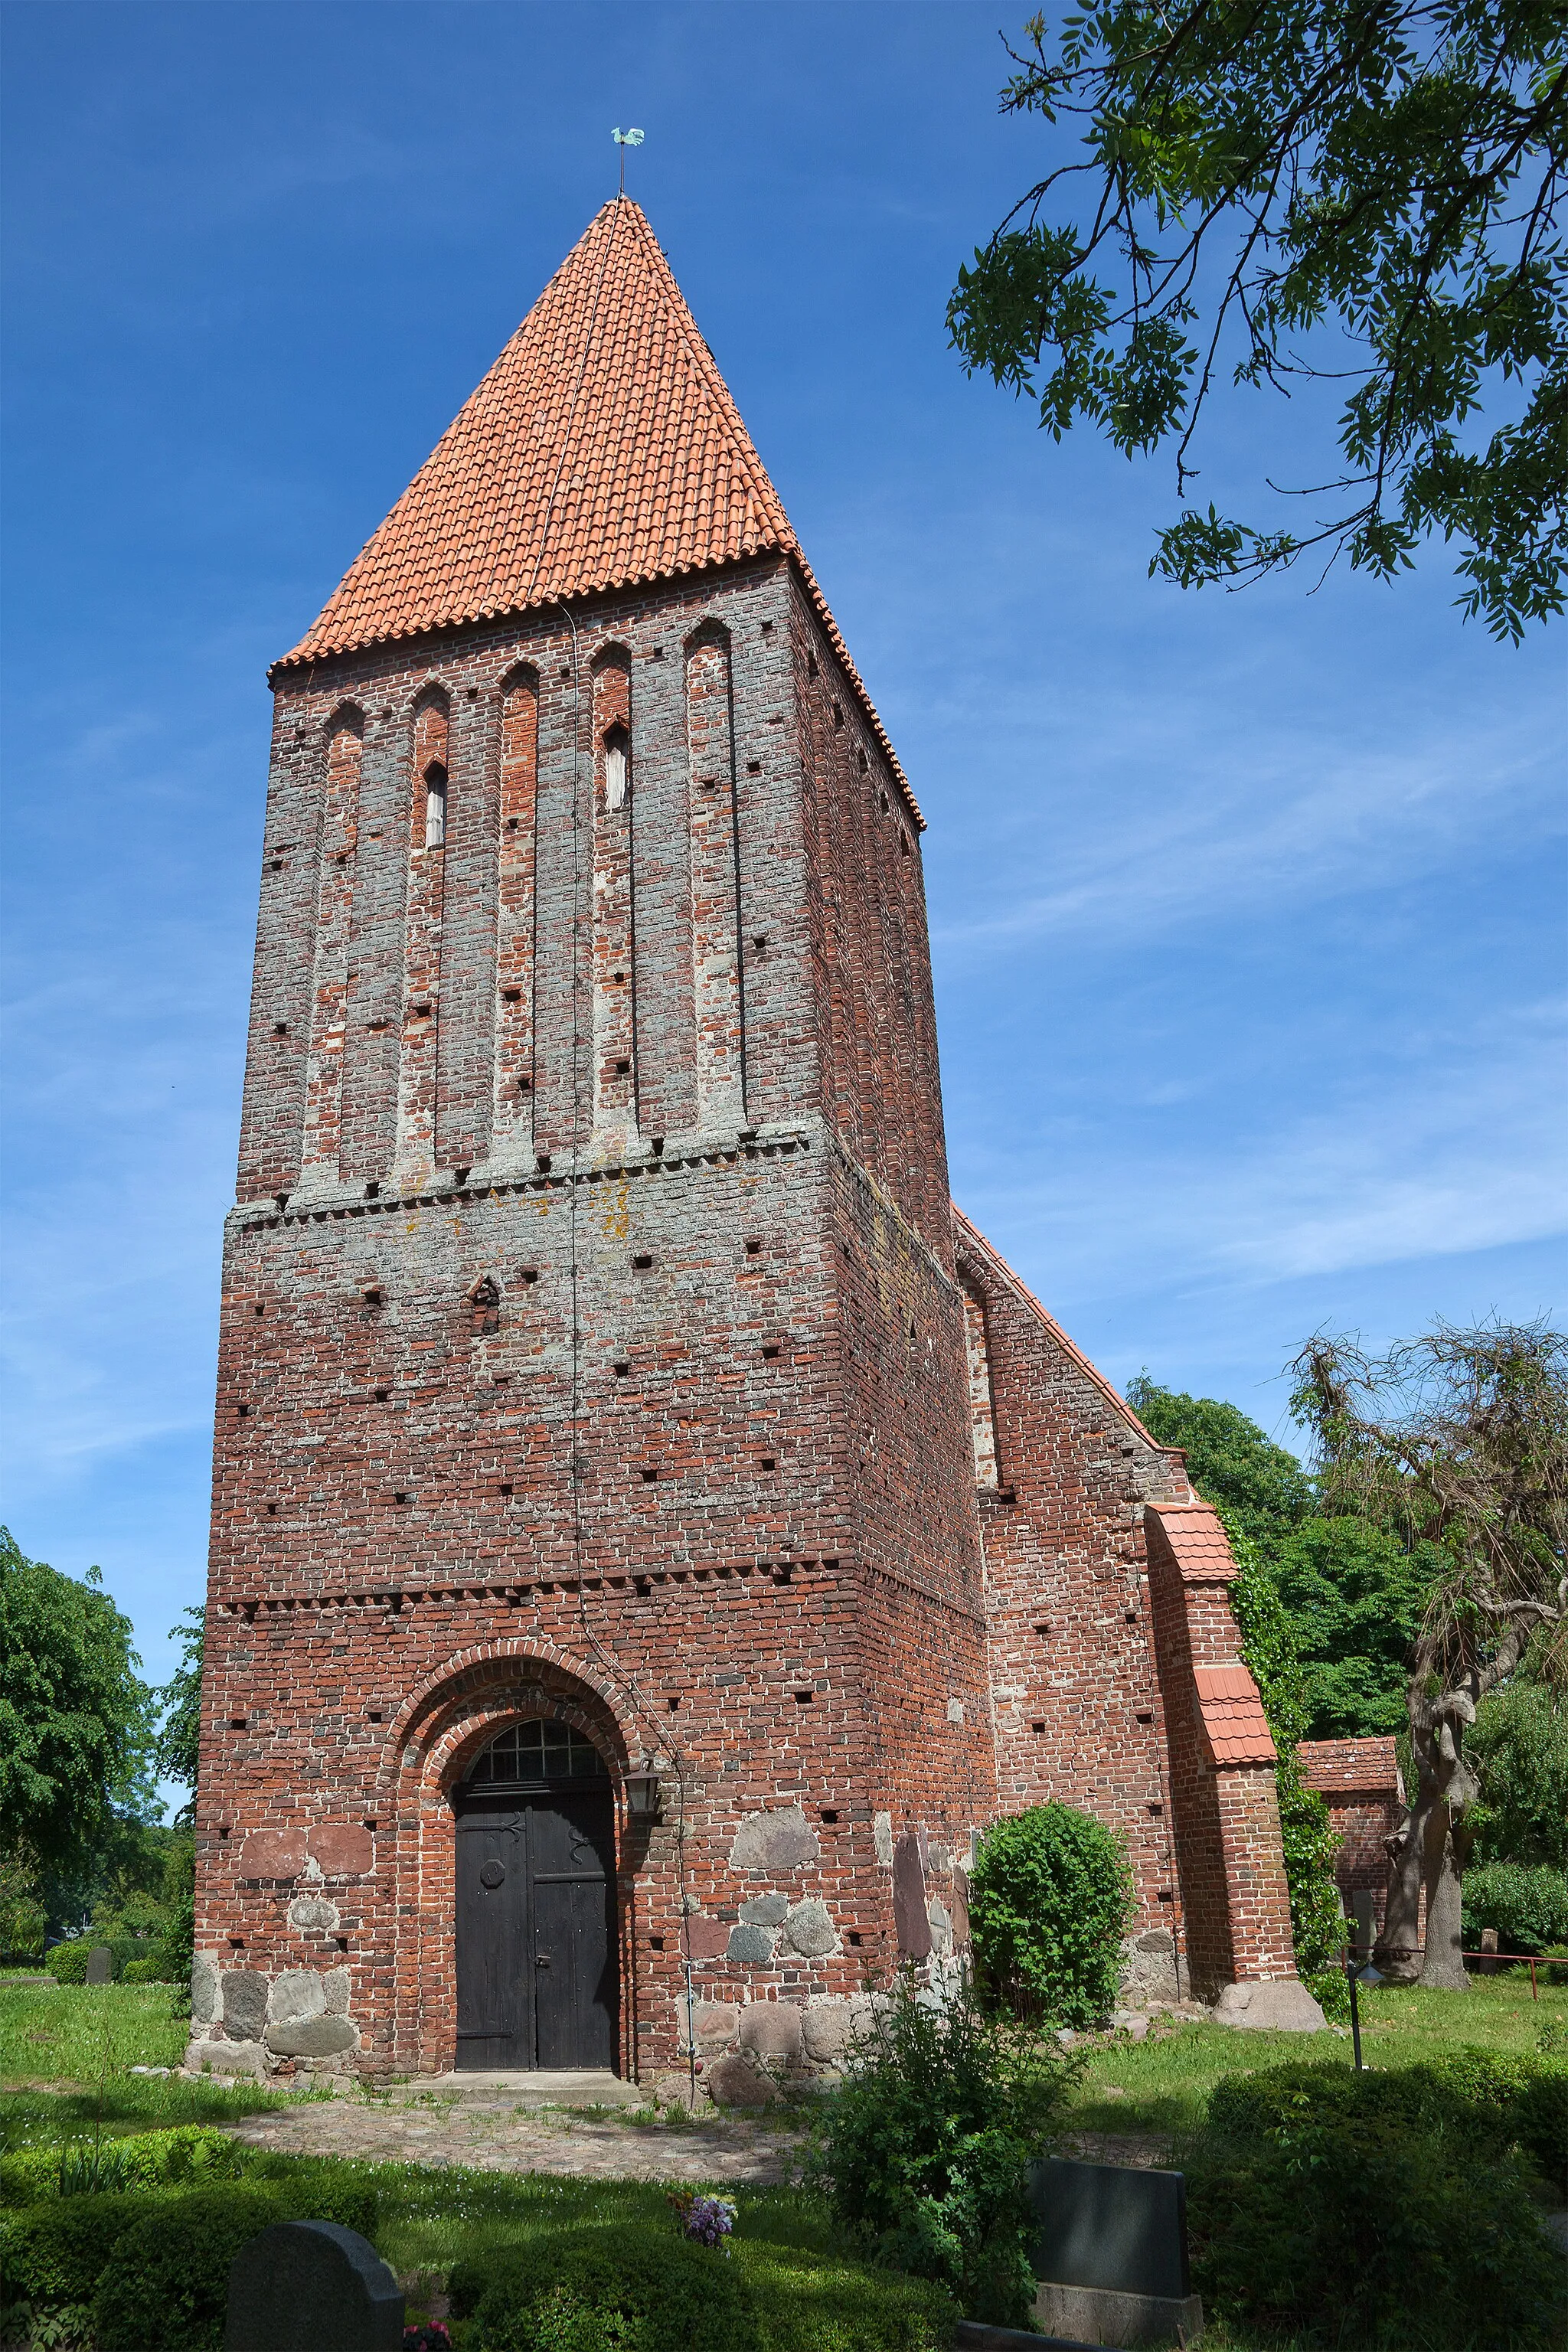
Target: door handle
column 542, row 1959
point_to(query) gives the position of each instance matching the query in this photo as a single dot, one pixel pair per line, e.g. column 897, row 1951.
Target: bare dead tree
column 1460, row 1437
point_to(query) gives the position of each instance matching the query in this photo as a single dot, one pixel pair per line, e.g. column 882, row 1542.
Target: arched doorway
column 538, row 1968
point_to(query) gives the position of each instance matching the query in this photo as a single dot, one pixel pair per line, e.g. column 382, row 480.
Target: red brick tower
column 598, row 1614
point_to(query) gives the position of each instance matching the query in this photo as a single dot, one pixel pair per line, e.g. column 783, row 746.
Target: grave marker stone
column 100, row 1965
column 302, row 2286
column 1111, row 2253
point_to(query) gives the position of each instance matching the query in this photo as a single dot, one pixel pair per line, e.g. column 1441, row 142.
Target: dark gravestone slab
column 1112, row 2226
column 911, row 1919
column 100, row 1965
column 303, row 2287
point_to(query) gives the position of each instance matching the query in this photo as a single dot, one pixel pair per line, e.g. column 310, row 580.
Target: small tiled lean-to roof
column 1235, row 1730
column 1197, row 1536
column 603, row 450
column 1352, row 1766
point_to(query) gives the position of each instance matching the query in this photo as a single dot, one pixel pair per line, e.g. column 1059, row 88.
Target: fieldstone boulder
column 312, row 2037
column 1284, row 2006
column 825, row 2028
column 313, row 1911
column 226, row 2058
column 713, row 2023
column 298, row 1993
column 709, row 1938
column 775, row 1841
column 752, row 1946
column 1149, row 1966
column 765, row 1910
column 809, row 1929
column 204, row 1990
column 273, row 1854
column 771, row 2029
column 244, row 2003
column 342, row 1849
column 736, row 2081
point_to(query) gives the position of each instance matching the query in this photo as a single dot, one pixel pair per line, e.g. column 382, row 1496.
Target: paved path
column 501, row 2123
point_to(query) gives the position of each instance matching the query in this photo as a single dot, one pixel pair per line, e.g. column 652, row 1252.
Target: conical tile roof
column 602, row 450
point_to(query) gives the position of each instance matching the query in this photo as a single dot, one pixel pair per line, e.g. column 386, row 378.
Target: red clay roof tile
column 1197, row 1536
column 1235, row 1730
column 603, row 450
column 1366, row 1767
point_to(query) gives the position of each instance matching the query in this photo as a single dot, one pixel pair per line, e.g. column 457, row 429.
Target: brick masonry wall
column 1235, row 1902
column 1065, row 1470
column 594, row 1343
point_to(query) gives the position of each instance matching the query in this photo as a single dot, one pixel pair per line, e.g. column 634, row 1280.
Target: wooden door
column 538, row 1979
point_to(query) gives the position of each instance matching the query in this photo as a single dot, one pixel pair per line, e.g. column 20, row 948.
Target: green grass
column 1167, row 2081
column 65, row 2055
column 54, row 2033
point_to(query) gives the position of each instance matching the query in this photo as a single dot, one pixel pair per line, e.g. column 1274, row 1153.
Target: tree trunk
column 1429, row 1851
column 1398, row 1952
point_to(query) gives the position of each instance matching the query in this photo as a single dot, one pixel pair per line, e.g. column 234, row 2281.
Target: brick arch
column 433, row 695
column 485, row 1670
column 450, row 1715
column 611, row 654
column 522, row 677
column 709, row 631
column 346, row 714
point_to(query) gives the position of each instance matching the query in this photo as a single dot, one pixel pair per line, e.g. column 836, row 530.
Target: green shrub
column 68, row 1963
column 53, row 2253
column 1540, row 2116
column 1526, row 1903
column 184, row 2157
column 923, row 2151
column 618, row 2287
column 168, row 2283
column 1051, row 1896
column 153, row 2262
column 1359, row 2207
column 156, row 1969
column 818, row 2303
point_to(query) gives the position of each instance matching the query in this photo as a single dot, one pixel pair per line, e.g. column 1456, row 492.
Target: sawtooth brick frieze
column 601, row 1353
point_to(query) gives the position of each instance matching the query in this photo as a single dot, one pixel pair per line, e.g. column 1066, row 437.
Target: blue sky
column 1247, row 910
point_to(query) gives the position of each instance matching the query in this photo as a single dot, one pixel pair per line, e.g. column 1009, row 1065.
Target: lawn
column 1161, row 2086
column 65, row 2058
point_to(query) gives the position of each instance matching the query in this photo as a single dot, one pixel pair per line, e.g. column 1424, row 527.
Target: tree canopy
column 179, row 1734
column 1229, row 1460
column 1459, row 1440
column 76, row 1718
column 1360, row 192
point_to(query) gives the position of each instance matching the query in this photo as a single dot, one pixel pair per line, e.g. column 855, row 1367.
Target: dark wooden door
column 538, row 1979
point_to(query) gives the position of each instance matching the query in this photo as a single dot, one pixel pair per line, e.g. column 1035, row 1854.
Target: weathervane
column 625, row 138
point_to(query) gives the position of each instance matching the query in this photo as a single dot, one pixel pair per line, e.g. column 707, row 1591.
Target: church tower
column 600, row 1650
column 595, row 1575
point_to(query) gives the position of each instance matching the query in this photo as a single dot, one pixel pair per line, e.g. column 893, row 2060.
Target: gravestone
column 1111, row 2253
column 302, row 2286
column 100, row 1965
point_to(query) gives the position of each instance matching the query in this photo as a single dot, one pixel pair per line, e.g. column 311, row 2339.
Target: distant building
column 652, row 1531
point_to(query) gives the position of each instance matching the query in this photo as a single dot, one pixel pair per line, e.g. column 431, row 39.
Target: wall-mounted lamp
column 643, row 1794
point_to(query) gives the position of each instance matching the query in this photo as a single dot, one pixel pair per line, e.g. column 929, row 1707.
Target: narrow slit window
column 617, row 751
column 434, row 806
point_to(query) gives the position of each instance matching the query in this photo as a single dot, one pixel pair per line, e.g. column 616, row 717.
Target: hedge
column 1400, row 2206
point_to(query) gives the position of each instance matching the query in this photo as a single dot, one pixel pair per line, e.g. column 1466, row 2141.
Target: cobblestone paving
column 500, row 2136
